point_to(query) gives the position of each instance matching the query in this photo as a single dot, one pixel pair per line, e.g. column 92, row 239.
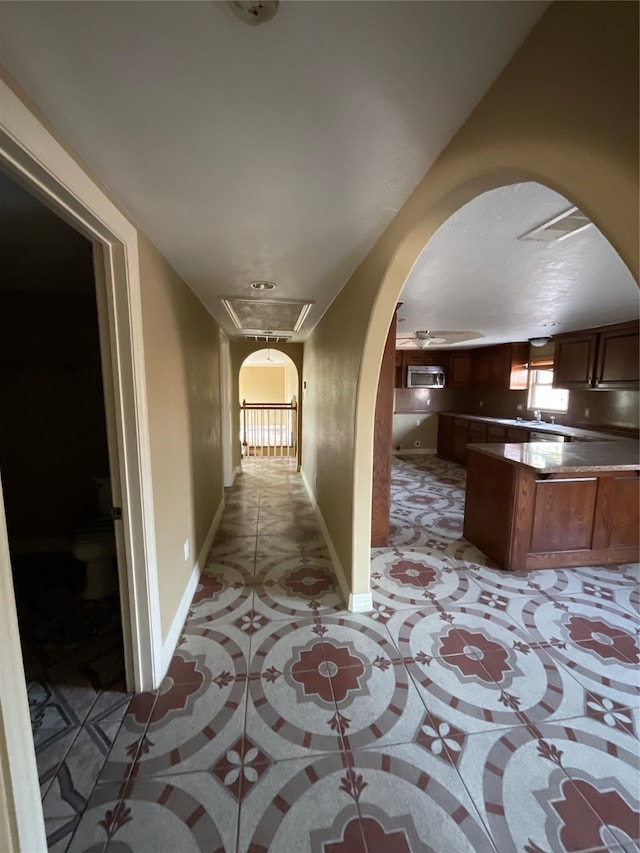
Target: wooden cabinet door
column 459, row 440
column 575, row 361
column 437, row 358
column 496, row 434
column 445, row 435
column 459, row 369
column 517, row 435
column 480, row 366
column 618, row 359
column 477, row 432
column 500, row 365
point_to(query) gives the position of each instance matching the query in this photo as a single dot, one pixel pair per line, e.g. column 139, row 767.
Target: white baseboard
column 173, row 636
column 358, row 602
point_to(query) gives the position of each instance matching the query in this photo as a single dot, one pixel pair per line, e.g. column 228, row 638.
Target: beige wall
column 181, row 348
column 263, row 384
column 563, row 112
column 418, row 426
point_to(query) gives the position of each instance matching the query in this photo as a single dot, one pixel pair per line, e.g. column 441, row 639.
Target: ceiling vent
column 253, row 316
column 266, row 339
column 559, row 228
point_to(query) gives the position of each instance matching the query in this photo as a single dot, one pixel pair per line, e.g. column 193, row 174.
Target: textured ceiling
column 274, row 152
column 475, row 274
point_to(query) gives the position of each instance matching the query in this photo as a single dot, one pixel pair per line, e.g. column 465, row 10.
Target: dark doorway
column 54, row 463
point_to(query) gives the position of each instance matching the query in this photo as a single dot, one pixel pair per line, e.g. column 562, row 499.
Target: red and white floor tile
column 471, row 710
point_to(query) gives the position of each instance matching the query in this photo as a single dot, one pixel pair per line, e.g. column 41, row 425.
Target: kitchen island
column 542, row 505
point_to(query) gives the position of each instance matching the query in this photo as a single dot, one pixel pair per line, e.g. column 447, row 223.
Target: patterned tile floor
column 73, row 658
column 470, row 711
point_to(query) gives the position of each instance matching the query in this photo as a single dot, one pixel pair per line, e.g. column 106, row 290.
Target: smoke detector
column 254, row 12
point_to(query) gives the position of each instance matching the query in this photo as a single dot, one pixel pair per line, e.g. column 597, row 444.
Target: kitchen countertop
column 546, row 457
column 574, row 433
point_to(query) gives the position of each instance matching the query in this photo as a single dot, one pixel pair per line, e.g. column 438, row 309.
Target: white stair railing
column 269, row 429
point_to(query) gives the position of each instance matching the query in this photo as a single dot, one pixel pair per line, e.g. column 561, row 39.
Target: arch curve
column 594, row 175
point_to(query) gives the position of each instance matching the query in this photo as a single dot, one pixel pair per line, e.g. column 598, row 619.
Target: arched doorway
column 404, row 263
column 268, row 395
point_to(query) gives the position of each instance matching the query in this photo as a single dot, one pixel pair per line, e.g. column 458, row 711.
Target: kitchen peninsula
column 550, row 504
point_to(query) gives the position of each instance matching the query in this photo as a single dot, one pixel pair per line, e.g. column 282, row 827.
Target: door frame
column 33, row 156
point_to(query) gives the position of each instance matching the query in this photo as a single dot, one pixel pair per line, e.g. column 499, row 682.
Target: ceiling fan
column 426, row 338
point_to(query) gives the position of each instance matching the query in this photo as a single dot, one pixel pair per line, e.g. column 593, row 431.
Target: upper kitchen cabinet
column 508, row 366
column 603, row 359
column 501, row 366
column 418, row 358
column 459, row 375
column 618, row 358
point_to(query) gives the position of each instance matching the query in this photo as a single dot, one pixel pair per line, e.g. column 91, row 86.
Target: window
column 542, row 394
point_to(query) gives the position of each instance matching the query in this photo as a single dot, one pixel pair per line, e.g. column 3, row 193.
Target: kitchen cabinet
column 535, row 509
column 618, row 359
column 445, row 435
column 501, row 366
column 480, row 366
column 477, row 432
column 517, row 435
column 456, row 431
column 459, row 369
column 574, row 360
column 603, row 359
column 459, row 440
column 417, row 358
column 496, row 434
column 508, row 366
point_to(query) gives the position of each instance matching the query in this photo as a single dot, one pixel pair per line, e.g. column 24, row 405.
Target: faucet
column 537, row 416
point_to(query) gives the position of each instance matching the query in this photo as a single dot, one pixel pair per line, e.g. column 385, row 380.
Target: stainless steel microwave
column 425, row 377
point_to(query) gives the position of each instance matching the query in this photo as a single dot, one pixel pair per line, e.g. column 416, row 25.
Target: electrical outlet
column 186, row 549
column 587, row 413
column 519, row 407
column 416, row 444
column 481, row 403
column 418, row 422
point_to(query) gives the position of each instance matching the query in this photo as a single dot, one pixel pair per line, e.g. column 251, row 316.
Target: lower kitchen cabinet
column 459, row 440
column 445, row 436
column 456, row 432
column 525, row 518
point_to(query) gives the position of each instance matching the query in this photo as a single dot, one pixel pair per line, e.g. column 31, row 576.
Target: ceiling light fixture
column 262, row 285
column 539, row 342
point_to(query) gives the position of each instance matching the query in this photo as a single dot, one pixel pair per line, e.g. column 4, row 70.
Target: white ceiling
column 474, row 274
column 276, row 152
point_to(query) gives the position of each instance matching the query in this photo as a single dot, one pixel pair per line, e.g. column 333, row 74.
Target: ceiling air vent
column 559, row 228
column 266, row 339
column 253, row 316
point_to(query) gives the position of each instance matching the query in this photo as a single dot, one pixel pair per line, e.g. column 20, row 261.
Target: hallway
column 470, row 711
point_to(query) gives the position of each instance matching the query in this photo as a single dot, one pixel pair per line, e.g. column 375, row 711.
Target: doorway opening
column 55, row 466
column 268, row 384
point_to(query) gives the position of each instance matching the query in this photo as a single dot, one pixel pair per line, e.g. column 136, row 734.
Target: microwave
column 425, row 377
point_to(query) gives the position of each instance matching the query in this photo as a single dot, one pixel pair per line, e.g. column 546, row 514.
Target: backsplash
column 598, row 410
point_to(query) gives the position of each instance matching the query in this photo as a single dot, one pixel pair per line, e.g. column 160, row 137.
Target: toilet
column 94, row 544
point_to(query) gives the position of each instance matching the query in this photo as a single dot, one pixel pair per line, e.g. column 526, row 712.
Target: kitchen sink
column 523, row 422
